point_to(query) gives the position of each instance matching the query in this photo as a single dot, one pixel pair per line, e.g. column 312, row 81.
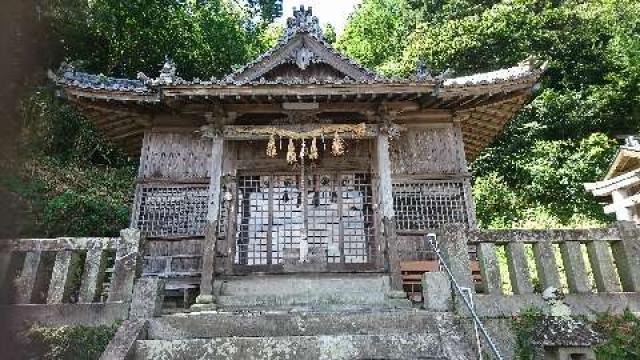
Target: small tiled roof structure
column 621, row 183
column 627, row 158
column 303, row 67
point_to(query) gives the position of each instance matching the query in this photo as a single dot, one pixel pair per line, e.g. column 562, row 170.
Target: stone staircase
column 311, row 316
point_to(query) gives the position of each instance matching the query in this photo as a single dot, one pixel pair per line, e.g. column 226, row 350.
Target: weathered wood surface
column 427, row 150
column 174, row 155
column 173, row 258
column 239, row 132
column 385, row 193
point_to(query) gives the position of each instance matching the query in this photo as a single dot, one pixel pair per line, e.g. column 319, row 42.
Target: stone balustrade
column 90, row 282
column 596, row 269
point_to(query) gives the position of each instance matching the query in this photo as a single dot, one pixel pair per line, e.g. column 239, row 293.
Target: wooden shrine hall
column 302, row 161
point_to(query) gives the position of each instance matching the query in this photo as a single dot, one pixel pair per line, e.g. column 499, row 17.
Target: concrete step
column 306, row 292
column 275, row 324
column 326, row 302
column 296, row 284
column 330, row 347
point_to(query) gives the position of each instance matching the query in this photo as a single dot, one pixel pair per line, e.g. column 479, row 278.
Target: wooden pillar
column 206, row 296
column 385, row 194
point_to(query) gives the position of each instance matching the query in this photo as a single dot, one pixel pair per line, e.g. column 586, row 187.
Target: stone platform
column 305, row 317
column 312, row 292
column 372, row 334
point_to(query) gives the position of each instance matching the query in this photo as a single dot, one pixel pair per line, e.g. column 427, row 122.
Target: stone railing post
column 518, row 268
column 25, row 283
column 604, row 272
column 436, row 291
column 545, row 260
column 148, row 295
column 91, row 275
column 125, row 266
column 627, row 256
column 60, row 277
column 489, row 270
column 575, row 268
column 452, row 243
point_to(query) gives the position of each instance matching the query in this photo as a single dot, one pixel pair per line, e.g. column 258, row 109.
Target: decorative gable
column 302, row 54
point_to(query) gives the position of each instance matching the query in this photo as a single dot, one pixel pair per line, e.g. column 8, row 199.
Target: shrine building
column 300, row 162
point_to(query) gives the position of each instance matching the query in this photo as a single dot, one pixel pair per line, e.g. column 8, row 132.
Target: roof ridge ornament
column 167, row 73
column 304, row 21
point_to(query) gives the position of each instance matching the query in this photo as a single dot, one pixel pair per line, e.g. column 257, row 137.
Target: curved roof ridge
column 524, row 70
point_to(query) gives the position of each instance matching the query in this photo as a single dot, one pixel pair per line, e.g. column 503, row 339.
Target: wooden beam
column 240, row 132
column 296, row 90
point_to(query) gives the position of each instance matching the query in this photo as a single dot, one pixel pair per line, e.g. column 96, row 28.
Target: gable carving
column 303, row 46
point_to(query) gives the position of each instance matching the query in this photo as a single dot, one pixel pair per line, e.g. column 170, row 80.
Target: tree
column 329, row 33
column 203, row 38
column 591, row 86
column 268, row 10
column 376, row 33
column 72, row 181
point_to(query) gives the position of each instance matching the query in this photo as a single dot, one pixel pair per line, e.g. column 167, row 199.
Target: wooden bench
column 412, row 276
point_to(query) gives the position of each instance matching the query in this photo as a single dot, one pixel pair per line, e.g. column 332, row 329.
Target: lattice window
column 429, row 204
column 335, row 217
column 172, row 211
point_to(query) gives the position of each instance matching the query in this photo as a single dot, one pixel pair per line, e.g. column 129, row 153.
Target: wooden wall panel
column 433, row 150
column 174, row 156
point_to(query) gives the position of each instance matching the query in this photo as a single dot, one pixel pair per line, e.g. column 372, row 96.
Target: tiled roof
column 302, row 22
column 523, row 71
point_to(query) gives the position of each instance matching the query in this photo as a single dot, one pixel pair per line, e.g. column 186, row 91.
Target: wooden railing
column 597, row 269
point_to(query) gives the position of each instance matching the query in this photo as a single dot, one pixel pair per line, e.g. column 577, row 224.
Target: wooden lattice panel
column 429, row 204
column 335, row 217
column 172, row 210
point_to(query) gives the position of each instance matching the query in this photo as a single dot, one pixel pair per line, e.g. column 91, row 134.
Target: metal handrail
column 443, row 264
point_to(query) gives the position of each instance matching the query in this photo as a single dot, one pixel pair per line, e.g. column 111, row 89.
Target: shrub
column 66, row 342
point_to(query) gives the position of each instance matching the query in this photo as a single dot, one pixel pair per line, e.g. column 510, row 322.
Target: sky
column 327, row 11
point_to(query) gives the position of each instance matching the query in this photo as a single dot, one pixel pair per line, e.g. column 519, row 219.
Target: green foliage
column 268, row 10
column 67, row 342
column 376, row 33
column 329, row 33
column 74, row 182
column 544, row 182
column 523, row 327
column 204, row 38
column 533, row 173
column 622, row 334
